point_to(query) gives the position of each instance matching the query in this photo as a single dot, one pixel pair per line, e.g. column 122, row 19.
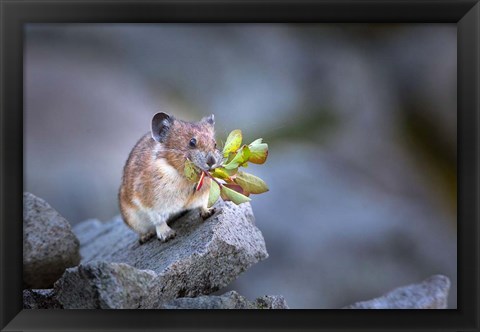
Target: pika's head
column 183, row 140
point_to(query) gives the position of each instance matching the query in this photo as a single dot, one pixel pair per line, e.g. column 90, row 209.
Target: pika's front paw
column 166, row 235
column 207, row 213
column 145, row 237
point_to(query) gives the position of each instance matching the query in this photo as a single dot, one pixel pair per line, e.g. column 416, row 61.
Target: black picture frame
column 14, row 14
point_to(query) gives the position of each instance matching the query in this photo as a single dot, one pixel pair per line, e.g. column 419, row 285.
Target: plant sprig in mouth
column 227, row 181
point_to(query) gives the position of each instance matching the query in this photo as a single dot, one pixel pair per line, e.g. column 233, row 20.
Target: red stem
column 213, row 178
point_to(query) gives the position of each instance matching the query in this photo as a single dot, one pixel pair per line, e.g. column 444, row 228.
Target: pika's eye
column 193, row 143
column 215, row 144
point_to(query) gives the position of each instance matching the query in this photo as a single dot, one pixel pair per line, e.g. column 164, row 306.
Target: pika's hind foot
column 207, row 213
column 146, row 237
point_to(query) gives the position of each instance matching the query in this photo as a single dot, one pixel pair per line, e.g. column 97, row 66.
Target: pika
column 154, row 188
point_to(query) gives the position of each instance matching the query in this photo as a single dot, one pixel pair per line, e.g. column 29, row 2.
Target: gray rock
column 105, row 286
column 204, row 257
column 229, row 300
column 40, row 299
column 270, row 302
column 49, row 245
column 432, row 293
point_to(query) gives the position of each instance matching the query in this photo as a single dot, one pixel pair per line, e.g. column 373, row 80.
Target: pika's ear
column 209, row 119
column 161, row 123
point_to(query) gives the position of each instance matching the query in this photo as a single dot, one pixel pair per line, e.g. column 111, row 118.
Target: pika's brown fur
column 154, row 187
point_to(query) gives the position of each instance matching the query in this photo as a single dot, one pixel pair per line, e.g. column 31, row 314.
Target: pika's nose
column 210, row 161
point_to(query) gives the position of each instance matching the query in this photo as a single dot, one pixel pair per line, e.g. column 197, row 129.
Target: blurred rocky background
column 360, row 119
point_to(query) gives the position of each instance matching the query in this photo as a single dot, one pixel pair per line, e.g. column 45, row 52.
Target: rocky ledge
column 205, row 256
column 115, row 271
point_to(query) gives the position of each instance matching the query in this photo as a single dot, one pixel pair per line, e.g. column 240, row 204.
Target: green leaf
column 258, row 153
column 222, row 173
column 234, row 140
column 237, row 188
column 251, row 183
column 214, row 194
column 230, row 157
column 232, row 195
column 242, row 156
column 191, row 171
